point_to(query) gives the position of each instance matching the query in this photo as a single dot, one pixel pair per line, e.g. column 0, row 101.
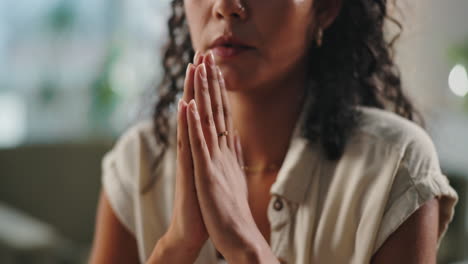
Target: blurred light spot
column 458, row 80
column 12, row 120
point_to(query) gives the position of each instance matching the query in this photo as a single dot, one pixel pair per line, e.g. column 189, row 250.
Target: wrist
column 249, row 253
column 169, row 250
column 251, row 248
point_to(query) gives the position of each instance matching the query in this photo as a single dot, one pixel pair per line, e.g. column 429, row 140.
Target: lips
column 228, row 46
column 228, row 52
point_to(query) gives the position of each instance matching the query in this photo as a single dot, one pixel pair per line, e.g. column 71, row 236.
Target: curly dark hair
column 353, row 66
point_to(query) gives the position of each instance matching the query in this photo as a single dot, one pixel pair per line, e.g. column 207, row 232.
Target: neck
column 265, row 120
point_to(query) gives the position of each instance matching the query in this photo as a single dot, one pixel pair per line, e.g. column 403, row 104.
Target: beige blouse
column 320, row 211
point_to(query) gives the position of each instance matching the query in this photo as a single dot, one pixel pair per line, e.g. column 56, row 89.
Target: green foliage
column 104, row 98
column 62, row 17
column 459, row 53
column 48, row 91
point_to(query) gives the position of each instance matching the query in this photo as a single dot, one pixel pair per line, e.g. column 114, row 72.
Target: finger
column 215, row 96
column 184, row 155
column 195, row 57
column 189, row 92
column 226, row 110
column 202, row 97
column 198, row 146
column 189, row 78
column 198, row 59
column 239, row 154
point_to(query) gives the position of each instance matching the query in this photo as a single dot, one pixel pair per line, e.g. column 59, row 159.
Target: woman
column 293, row 143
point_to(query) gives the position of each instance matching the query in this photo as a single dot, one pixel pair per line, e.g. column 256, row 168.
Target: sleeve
column 120, row 172
column 417, row 180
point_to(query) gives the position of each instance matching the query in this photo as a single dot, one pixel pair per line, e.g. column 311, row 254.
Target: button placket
column 279, row 215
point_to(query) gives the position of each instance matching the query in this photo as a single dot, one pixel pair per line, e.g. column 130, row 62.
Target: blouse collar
column 294, row 177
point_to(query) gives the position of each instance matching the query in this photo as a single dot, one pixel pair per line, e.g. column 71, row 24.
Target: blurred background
column 73, row 75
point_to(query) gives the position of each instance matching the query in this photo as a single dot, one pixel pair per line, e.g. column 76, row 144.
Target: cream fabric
column 332, row 212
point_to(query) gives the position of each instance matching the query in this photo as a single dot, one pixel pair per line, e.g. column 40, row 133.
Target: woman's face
column 279, row 33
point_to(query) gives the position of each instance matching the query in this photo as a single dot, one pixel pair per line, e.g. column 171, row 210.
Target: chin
column 234, row 81
column 237, row 79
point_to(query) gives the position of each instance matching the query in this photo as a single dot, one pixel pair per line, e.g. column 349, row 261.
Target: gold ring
column 224, row 133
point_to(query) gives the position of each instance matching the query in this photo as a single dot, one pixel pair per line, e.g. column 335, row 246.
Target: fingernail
column 188, row 68
column 220, row 74
column 179, row 104
column 203, row 71
column 210, row 60
column 197, row 53
column 200, row 59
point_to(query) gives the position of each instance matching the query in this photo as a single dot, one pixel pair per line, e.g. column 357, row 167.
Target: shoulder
column 405, row 136
column 132, row 155
column 120, row 171
column 136, row 140
column 417, row 176
column 139, row 132
column 418, row 154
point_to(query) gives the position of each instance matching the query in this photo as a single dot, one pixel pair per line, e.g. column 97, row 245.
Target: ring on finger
column 224, row 133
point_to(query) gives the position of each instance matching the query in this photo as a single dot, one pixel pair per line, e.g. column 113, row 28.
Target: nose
column 230, row 9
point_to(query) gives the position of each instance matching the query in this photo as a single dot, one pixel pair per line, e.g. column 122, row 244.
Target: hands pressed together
column 211, row 197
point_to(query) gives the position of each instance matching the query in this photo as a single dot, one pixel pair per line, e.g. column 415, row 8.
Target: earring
column 319, row 37
column 241, row 10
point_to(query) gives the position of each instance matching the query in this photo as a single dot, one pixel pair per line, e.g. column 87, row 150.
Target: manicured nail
column 193, row 107
column 210, row 60
column 203, row 71
column 197, row 53
column 220, row 74
column 200, row 59
column 188, row 68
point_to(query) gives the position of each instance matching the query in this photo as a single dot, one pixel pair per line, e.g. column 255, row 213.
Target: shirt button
column 278, row 204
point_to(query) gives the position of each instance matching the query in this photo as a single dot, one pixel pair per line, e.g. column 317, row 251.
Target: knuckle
column 214, row 162
column 227, row 147
column 218, row 109
column 226, row 112
column 208, row 120
column 200, row 143
column 204, row 87
column 180, row 144
column 210, row 181
column 213, row 72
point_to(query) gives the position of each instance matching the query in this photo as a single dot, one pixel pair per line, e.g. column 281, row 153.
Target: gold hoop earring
column 319, row 37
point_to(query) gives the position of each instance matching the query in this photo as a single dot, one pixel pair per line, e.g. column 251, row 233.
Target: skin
column 256, row 79
column 220, row 182
column 213, row 197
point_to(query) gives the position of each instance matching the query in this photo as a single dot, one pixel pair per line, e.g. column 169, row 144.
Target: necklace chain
column 270, row 167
